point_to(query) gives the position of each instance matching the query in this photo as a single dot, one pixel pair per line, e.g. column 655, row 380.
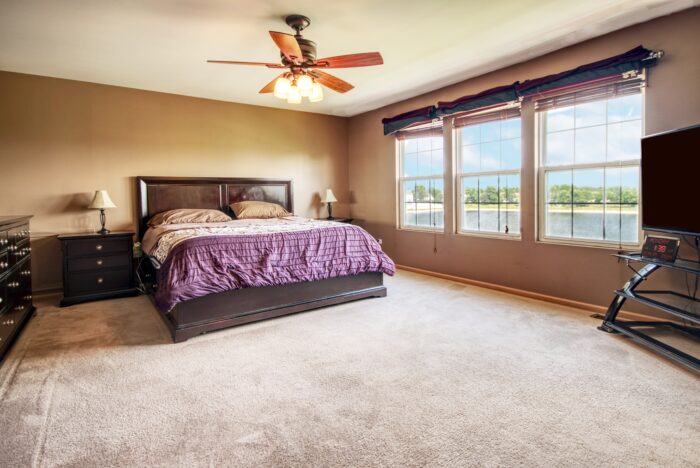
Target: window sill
column 419, row 229
column 589, row 244
column 489, row 235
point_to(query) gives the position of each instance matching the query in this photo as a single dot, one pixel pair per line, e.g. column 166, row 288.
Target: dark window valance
column 396, row 123
column 632, row 61
column 489, row 98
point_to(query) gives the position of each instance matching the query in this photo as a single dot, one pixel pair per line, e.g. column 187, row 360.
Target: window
column 488, row 172
column 589, row 164
column 421, row 180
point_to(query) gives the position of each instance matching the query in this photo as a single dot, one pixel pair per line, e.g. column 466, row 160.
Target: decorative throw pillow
column 188, row 215
column 258, row 209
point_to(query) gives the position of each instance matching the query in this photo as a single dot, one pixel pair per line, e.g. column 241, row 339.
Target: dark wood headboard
column 156, row 194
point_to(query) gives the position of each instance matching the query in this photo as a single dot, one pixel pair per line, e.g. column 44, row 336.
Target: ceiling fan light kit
column 304, row 79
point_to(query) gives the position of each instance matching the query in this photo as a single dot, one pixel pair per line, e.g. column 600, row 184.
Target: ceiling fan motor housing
column 308, row 47
column 308, row 50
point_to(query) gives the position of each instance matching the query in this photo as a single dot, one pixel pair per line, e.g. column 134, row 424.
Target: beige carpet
column 436, row 374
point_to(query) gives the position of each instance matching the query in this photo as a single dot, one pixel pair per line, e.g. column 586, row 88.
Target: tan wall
column 578, row 273
column 60, row 140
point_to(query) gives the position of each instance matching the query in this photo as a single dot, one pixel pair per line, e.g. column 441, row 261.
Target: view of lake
column 588, row 224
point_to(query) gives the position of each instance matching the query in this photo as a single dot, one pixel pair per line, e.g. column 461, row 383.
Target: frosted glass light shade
column 282, row 86
column 101, row 201
column 330, row 197
column 316, row 93
column 293, row 97
column 305, row 83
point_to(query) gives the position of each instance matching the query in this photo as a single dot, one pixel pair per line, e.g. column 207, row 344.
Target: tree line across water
column 557, row 194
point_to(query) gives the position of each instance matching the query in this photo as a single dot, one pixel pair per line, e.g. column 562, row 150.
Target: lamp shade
column 101, row 201
column 330, row 197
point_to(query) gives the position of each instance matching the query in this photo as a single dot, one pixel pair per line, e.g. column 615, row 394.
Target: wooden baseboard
column 584, row 306
column 47, row 293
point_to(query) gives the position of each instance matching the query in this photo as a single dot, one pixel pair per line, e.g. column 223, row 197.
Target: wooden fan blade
column 261, row 64
column 333, row 82
column 366, row 59
column 270, row 87
column 288, row 45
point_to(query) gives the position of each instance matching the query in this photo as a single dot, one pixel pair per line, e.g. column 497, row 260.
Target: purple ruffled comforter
column 205, row 264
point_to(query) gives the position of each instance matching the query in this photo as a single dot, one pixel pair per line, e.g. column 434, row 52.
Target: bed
column 221, row 296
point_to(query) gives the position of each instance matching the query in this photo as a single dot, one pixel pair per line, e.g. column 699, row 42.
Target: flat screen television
column 671, row 181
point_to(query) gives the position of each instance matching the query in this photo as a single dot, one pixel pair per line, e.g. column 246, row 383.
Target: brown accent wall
column 60, row 140
column 578, row 273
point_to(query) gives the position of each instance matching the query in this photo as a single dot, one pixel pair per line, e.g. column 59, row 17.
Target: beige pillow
column 188, row 215
column 258, row 209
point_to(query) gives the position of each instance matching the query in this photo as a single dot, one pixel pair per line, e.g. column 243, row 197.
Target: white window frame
column 459, row 198
column 400, row 179
column 541, row 173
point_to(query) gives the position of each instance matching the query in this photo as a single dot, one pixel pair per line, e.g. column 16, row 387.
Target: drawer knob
column 26, row 273
column 28, row 297
column 13, row 284
column 100, row 280
column 3, row 264
column 99, row 262
column 98, row 247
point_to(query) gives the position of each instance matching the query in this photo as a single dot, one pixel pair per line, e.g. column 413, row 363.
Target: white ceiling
column 162, row 45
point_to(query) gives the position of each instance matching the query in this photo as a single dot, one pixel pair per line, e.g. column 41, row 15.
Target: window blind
column 483, row 117
column 433, row 130
column 590, row 92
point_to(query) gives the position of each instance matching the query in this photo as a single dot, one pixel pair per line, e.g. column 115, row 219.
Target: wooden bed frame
column 237, row 307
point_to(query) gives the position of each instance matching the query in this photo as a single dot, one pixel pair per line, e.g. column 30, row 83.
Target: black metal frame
column 612, row 324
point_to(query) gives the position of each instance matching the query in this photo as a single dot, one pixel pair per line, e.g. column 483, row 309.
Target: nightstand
column 337, row 220
column 97, row 266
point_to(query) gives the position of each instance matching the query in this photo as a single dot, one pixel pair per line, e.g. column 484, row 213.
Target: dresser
column 97, row 266
column 16, row 305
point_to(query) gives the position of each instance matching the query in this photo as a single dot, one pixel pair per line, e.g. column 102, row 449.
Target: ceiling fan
column 304, row 77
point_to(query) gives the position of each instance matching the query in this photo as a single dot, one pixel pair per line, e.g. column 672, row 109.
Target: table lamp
column 101, row 201
column 328, row 199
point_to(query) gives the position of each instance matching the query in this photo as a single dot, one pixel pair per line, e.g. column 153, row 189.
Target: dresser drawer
column 25, row 279
column 14, row 285
column 97, row 246
column 12, row 316
column 98, row 262
column 10, row 320
column 98, row 281
column 4, row 263
column 18, row 252
column 4, row 297
column 18, row 234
